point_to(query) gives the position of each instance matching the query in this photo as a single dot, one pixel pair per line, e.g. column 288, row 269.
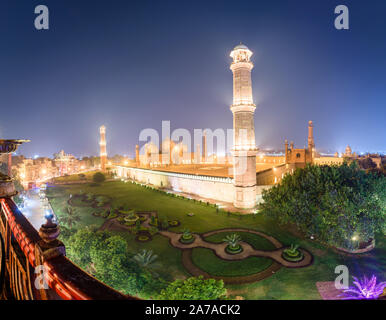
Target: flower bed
column 292, row 255
column 174, row 223
column 233, row 250
column 143, row 238
column 186, row 240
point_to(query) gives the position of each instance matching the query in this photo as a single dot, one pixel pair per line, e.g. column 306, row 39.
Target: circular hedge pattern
column 298, row 256
column 256, row 241
column 174, row 223
column 143, row 237
column 236, row 250
column 186, row 240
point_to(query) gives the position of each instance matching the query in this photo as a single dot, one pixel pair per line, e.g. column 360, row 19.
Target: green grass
column 285, row 284
column 206, row 260
column 59, row 205
column 76, row 177
column 169, row 258
column 254, row 240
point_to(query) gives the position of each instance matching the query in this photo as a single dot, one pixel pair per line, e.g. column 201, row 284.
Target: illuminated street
column 34, row 209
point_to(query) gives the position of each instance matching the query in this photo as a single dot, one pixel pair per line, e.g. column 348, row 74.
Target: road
column 34, row 210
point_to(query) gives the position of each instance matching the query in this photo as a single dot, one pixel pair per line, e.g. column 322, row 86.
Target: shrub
column 292, row 253
column 112, row 215
column 194, row 288
column 233, row 241
column 153, row 230
column 186, row 237
column 165, row 224
column 154, row 221
column 89, row 196
column 98, row 177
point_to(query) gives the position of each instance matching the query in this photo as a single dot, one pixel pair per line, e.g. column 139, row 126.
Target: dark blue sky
column 131, row 64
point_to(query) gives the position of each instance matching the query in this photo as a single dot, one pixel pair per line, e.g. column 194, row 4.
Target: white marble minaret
column 244, row 149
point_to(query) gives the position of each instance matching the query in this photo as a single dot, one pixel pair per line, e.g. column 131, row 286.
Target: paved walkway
column 248, row 250
column 219, row 250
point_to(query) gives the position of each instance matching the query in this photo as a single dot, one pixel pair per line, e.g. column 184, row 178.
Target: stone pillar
column 9, row 165
column 47, row 248
column 244, row 149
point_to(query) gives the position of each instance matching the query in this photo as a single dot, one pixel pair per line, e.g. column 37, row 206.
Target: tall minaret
column 137, row 155
column 102, row 145
column 244, row 149
column 204, row 150
column 311, row 144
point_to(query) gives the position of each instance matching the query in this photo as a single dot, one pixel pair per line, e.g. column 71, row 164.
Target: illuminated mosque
column 238, row 179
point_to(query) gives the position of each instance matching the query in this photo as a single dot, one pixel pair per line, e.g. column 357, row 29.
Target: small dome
column 241, row 46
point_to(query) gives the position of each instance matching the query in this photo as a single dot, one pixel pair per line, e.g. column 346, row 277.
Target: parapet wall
column 217, row 188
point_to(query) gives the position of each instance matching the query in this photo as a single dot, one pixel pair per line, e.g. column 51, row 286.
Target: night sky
column 131, row 64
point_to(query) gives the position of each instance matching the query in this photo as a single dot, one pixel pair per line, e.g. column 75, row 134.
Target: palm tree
column 146, row 260
column 71, row 217
column 233, row 240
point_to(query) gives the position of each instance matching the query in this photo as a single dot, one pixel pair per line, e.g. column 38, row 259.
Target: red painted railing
column 66, row 280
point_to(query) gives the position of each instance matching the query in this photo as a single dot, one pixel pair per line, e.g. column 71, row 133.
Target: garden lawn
column 206, row 260
column 254, row 240
column 58, row 201
column 285, row 284
column 76, row 177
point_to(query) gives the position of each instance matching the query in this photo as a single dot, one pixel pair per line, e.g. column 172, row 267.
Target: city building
column 32, row 172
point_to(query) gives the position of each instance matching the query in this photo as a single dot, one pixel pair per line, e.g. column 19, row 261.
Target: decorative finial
column 49, row 231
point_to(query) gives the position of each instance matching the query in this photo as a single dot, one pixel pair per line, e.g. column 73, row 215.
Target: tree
column 98, row 177
column 106, row 257
column 71, row 217
column 194, row 288
column 335, row 204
